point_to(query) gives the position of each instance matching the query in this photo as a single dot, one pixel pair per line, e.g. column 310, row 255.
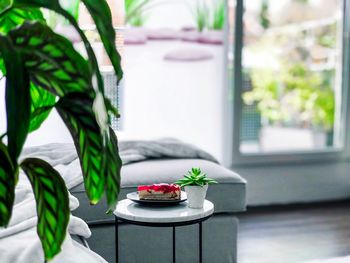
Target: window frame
column 303, row 156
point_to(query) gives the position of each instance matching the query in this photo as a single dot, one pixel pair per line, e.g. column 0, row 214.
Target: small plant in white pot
column 196, row 186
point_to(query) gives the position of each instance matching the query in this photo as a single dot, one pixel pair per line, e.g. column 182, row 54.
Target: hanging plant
column 43, row 71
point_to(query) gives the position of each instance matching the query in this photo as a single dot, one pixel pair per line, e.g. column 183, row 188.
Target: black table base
column 173, row 225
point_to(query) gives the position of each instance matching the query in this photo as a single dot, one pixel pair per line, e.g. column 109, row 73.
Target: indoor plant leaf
column 42, row 102
column 51, row 59
column 51, row 196
column 4, row 5
column 14, row 17
column 195, row 177
column 7, row 185
column 111, row 109
column 101, row 14
column 51, row 63
column 76, row 111
column 54, row 5
column 113, row 164
column 17, row 82
column 2, row 67
column 49, row 4
column 39, row 97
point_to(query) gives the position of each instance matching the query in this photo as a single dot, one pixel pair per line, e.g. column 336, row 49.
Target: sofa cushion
column 228, row 195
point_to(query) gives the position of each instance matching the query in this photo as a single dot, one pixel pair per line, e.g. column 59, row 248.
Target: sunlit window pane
column 291, row 66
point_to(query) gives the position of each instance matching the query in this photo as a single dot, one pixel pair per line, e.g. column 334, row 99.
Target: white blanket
column 62, row 157
column 19, row 242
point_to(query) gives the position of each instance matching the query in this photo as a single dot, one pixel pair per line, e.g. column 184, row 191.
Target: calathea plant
column 43, row 71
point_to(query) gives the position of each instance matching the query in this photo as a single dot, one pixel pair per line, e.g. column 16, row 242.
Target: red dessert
column 159, row 192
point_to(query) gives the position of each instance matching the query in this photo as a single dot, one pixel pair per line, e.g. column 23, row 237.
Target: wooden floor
column 294, row 234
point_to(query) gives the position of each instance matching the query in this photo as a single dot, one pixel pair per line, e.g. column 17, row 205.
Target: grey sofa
column 146, row 244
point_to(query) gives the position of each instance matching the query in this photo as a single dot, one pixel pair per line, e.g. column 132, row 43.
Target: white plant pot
column 196, row 195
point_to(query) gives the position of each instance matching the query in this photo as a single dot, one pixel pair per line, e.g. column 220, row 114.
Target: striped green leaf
column 39, row 96
column 51, row 59
column 17, row 82
column 7, row 186
column 41, row 62
column 112, row 165
column 51, row 196
column 4, row 5
column 15, row 17
column 42, row 103
column 54, row 5
column 101, row 14
column 76, row 111
column 49, row 4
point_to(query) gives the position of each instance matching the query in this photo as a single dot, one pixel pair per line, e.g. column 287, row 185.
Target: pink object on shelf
column 190, row 36
column 188, row 28
column 134, row 40
column 135, row 36
column 211, row 38
column 188, row 55
column 163, row 34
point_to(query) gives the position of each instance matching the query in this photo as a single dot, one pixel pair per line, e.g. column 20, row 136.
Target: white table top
column 129, row 210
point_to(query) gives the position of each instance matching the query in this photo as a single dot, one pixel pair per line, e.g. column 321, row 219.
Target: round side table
column 162, row 216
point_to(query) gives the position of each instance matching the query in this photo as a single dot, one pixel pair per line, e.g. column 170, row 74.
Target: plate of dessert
column 158, row 194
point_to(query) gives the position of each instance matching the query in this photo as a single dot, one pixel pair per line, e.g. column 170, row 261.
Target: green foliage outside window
column 294, row 95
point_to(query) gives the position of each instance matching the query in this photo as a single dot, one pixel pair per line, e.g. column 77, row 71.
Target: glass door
column 290, row 77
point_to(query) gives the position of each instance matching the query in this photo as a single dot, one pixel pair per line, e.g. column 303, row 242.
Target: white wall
column 184, row 100
column 52, row 130
column 174, row 99
column 296, row 183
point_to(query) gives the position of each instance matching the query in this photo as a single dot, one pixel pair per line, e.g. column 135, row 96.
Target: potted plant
column 43, row 71
column 196, row 186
